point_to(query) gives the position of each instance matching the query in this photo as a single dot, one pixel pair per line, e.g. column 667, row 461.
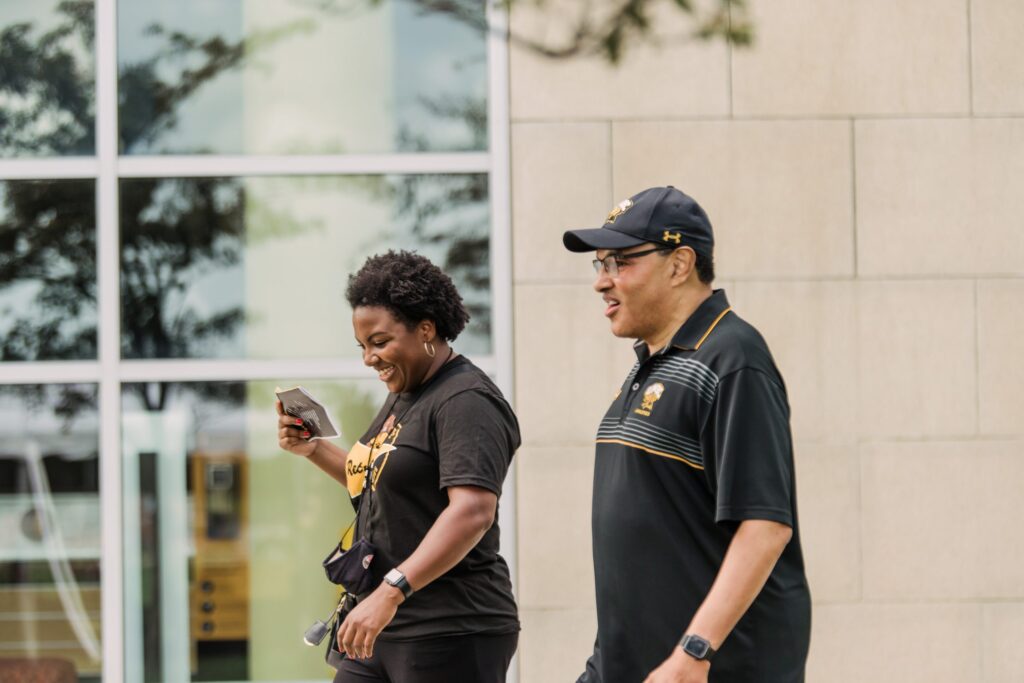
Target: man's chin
column 621, row 330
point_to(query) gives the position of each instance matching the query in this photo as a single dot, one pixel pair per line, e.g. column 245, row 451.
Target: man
column 697, row 559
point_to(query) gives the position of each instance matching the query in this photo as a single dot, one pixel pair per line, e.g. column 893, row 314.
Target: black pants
column 453, row 659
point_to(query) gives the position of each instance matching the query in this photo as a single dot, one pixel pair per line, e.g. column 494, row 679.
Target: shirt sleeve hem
column 742, row 514
column 471, row 481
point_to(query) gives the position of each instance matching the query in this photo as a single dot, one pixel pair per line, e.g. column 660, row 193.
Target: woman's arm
column 456, row 531
column 470, row 513
column 292, row 437
column 330, row 459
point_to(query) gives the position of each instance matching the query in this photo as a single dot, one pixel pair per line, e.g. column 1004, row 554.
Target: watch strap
column 697, row 647
column 397, row 579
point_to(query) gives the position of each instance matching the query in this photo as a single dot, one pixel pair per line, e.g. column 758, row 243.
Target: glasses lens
column 609, row 264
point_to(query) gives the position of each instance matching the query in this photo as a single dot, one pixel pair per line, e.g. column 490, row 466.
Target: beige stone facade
column 863, row 165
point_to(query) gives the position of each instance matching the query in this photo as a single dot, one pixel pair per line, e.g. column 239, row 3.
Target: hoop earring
column 429, row 348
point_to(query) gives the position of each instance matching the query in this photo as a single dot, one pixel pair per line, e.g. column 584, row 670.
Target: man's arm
column 592, row 672
column 748, row 563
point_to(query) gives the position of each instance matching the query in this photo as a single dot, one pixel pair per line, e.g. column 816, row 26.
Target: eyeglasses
column 612, row 262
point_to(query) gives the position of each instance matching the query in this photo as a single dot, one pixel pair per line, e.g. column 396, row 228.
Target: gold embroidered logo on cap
column 672, row 237
column 651, row 396
column 622, row 207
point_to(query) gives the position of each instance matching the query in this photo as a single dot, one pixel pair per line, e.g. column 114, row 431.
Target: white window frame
column 109, row 371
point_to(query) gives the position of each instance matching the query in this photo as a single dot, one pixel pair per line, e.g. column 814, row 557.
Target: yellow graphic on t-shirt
column 359, row 457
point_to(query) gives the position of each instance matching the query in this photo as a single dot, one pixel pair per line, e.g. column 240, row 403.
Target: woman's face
column 391, row 348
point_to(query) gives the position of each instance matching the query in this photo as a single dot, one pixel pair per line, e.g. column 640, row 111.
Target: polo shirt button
column 636, row 386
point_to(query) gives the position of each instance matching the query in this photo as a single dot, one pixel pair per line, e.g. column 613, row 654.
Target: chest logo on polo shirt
column 651, row 395
column 622, row 207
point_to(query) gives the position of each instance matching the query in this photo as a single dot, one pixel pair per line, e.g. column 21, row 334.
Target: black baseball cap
column 662, row 215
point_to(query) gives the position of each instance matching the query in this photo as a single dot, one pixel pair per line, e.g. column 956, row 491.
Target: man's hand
column 364, row 623
column 680, row 668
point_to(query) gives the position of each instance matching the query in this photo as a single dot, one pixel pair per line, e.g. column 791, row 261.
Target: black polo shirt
column 696, row 441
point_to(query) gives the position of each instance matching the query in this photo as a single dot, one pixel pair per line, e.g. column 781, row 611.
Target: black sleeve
column 476, row 437
column 752, row 445
column 593, row 666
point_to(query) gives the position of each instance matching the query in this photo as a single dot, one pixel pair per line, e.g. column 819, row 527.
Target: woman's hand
column 291, row 435
column 364, row 623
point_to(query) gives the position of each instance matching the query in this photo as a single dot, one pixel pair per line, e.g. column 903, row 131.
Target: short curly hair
column 412, row 288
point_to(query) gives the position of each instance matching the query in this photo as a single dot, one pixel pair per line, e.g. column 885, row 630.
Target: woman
column 436, row 455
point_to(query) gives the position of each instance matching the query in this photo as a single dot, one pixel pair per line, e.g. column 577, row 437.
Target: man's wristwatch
column 697, row 647
column 397, row 579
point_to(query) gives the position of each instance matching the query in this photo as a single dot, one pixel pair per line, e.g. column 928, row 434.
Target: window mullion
column 108, row 294
column 501, row 262
column 48, row 169
column 213, row 166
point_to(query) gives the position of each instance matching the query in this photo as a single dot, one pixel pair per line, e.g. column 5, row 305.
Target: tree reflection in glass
column 47, row 270
column 256, row 267
column 299, row 76
column 176, row 232
column 173, row 232
column 46, row 78
column 47, row 228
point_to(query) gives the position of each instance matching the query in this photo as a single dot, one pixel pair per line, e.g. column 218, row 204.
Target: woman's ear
column 427, row 330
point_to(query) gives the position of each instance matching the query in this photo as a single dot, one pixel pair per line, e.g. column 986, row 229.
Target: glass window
column 225, row 533
column 275, row 77
column 47, row 72
column 257, row 267
column 47, row 270
column 50, row 526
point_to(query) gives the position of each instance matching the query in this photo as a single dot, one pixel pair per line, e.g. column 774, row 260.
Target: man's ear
column 684, row 263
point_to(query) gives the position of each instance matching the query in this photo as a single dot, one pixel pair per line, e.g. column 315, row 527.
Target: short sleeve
column 476, row 435
column 752, row 445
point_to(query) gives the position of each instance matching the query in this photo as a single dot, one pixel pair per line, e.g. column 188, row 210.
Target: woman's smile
column 390, row 348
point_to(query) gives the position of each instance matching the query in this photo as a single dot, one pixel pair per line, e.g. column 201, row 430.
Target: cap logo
column 622, row 207
column 671, row 237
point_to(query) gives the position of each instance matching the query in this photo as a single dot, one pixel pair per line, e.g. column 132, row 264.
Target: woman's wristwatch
column 397, row 579
column 696, row 647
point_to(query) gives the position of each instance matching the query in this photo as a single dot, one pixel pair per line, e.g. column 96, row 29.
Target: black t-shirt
column 697, row 441
column 456, row 430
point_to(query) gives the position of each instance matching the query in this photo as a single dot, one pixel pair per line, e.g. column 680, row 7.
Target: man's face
column 635, row 297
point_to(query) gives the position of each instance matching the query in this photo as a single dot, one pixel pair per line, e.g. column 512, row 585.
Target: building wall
column 863, row 165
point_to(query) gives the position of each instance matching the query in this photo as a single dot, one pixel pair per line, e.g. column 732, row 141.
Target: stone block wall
column 863, row 165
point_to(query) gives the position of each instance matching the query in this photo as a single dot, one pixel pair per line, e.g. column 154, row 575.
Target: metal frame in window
column 109, row 371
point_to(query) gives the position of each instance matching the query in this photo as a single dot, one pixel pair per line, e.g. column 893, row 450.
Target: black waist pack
column 350, row 568
column 334, row 657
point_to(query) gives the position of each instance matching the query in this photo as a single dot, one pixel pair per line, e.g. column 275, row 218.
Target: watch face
column 697, row 647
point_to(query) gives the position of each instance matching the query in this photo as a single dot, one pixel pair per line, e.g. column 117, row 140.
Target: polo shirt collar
column 696, row 329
